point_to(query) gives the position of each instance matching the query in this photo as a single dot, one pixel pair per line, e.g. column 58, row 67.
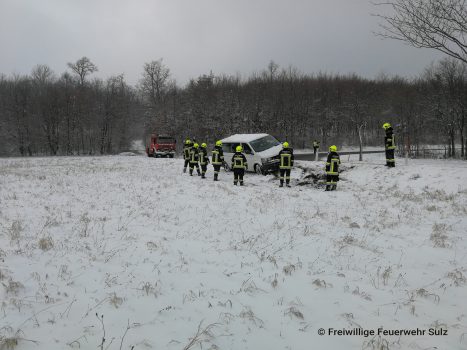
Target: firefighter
column 194, row 159
column 332, row 169
column 239, row 165
column 286, row 164
column 186, row 153
column 217, row 159
column 203, row 159
column 389, row 145
column 315, row 147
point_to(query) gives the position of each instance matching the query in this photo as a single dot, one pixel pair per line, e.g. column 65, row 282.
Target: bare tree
column 272, row 69
column 82, row 68
column 432, row 24
column 154, row 81
column 42, row 74
column 154, row 86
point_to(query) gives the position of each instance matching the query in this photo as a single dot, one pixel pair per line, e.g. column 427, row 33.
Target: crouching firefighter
column 332, row 169
column 286, row 164
column 203, row 160
column 239, row 165
column 186, row 154
column 194, row 159
column 217, row 159
column 389, row 145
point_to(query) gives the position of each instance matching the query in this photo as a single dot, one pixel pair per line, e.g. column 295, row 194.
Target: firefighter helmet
column 239, row 148
column 219, row 143
column 203, row 145
column 285, row 144
column 386, row 126
column 187, row 141
column 195, row 145
column 333, row 148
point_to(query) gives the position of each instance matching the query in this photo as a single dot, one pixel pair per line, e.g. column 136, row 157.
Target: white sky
column 196, row 36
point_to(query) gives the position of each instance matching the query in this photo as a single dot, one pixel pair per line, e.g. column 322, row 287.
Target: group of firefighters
column 196, row 156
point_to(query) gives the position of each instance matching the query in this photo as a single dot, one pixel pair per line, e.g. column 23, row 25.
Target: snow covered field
column 176, row 262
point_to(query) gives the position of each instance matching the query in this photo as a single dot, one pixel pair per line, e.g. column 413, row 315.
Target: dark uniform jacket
column 203, row 156
column 286, row 158
column 389, row 140
column 194, row 155
column 217, row 156
column 186, row 151
column 239, row 161
column 332, row 163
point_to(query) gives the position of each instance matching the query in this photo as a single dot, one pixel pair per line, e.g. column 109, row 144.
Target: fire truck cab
column 161, row 146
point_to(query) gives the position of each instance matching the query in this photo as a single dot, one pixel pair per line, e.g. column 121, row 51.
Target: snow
column 243, row 137
column 184, row 262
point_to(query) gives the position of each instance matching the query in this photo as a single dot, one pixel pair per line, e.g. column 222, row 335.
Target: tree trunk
column 453, row 144
column 360, row 143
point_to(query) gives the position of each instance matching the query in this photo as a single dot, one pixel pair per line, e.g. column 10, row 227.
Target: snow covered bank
column 173, row 262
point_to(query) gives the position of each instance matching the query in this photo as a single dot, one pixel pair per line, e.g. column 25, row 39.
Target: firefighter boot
column 282, row 183
column 203, row 176
column 241, row 182
column 334, row 187
column 215, row 177
column 184, row 170
column 191, row 171
column 328, row 188
column 287, row 184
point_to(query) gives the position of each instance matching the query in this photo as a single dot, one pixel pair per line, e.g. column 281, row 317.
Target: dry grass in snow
column 129, row 253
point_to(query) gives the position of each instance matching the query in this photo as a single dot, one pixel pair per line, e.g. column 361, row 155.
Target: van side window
column 247, row 148
column 230, row 147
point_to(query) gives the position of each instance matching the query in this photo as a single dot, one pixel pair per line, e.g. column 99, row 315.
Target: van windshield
column 264, row 143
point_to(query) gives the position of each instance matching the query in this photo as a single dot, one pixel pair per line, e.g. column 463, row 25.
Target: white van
column 261, row 151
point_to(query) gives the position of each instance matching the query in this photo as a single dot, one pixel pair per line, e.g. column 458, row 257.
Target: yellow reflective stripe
column 215, row 158
column 239, row 163
column 286, row 159
column 333, row 163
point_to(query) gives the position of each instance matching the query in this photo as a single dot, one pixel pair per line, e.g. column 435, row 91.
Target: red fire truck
column 161, row 146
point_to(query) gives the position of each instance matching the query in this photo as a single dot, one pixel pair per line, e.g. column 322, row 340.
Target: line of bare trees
column 428, row 110
column 41, row 114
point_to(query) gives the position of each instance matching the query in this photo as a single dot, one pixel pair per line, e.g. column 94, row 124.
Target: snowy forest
column 76, row 114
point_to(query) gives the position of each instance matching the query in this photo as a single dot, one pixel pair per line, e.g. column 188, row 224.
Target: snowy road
column 184, row 262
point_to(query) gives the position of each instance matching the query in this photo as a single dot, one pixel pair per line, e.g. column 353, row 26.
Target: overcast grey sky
column 196, row 36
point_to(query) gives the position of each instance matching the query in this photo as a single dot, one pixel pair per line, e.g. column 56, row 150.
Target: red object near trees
column 161, row 146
